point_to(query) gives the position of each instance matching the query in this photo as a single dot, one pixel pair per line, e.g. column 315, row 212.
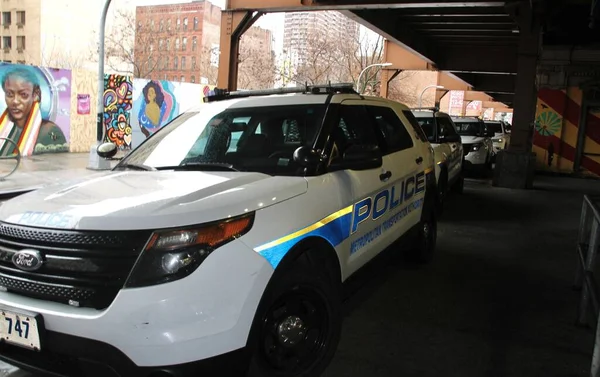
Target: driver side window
column 353, row 128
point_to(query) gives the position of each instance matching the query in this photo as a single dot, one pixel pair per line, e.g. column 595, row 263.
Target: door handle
column 385, row 176
column 419, row 160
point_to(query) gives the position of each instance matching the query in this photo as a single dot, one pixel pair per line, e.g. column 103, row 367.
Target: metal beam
column 271, row 6
column 489, row 83
column 493, row 59
column 233, row 25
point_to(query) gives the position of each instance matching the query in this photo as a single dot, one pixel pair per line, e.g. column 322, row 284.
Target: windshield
column 428, row 126
column 256, row 139
column 494, row 126
column 468, row 128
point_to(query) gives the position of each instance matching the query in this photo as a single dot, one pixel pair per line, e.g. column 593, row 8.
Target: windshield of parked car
column 428, row 126
column 218, row 137
column 494, row 126
column 468, row 128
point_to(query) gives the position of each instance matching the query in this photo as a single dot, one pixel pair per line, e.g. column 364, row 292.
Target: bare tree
column 136, row 49
column 403, row 89
column 56, row 57
column 208, row 64
column 359, row 53
column 256, row 65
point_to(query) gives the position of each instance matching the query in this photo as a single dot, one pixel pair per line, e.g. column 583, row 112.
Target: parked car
column 501, row 138
column 477, row 143
column 448, row 149
column 204, row 251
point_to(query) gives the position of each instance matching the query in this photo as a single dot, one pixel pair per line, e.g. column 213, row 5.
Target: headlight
column 175, row 253
column 498, row 140
column 476, row 147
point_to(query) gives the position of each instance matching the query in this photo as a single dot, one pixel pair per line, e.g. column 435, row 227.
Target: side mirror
column 306, row 156
column 107, row 150
column 359, row 157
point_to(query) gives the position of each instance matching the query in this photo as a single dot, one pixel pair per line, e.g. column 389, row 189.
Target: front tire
column 426, row 238
column 298, row 325
column 459, row 185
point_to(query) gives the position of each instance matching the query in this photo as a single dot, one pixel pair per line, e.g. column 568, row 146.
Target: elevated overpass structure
column 505, row 49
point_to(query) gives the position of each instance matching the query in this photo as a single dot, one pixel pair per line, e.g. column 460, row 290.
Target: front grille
column 80, row 267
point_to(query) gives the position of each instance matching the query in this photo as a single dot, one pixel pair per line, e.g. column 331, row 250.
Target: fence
column 587, row 250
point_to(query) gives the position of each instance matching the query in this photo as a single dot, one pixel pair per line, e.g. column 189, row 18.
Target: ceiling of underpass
column 476, row 41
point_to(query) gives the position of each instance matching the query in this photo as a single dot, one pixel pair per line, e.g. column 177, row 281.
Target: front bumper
column 71, row 356
column 206, row 314
column 479, row 157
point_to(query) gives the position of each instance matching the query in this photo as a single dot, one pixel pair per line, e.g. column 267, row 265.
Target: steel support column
column 515, row 168
column 233, row 25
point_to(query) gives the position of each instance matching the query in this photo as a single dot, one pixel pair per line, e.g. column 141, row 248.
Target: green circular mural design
column 548, row 123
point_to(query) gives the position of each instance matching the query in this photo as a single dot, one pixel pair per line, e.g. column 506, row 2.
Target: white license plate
column 19, row 329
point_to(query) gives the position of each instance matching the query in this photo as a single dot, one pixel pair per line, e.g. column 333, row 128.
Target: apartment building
column 53, row 33
column 301, row 27
column 178, row 42
column 20, row 31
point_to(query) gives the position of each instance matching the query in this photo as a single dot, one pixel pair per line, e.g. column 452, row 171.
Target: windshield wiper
column 215, row 166
column 136, row 167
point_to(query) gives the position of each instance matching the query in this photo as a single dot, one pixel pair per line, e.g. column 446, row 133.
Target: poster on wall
column 117, row 107
column 83, row 104
column 156, row 103
column 35, row 107
column 456, row 102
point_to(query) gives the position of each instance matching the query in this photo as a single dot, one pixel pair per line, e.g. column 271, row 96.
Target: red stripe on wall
column 566, row 151
column 562, row 104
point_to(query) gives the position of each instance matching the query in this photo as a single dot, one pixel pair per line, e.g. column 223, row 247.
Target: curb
column 9, row 194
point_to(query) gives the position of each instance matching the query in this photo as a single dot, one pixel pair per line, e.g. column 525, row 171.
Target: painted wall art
column 117, row 108
column 157, row 102
column 35, row 107
column 83, row 104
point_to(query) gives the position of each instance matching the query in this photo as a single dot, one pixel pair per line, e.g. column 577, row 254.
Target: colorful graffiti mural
column 35, row 106
column 117, row 107
column 154, row 105
column 557, row 128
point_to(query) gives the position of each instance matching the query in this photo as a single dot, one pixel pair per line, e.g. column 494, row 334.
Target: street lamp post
column 427, row 87
column 365, row 69
column 95, row 161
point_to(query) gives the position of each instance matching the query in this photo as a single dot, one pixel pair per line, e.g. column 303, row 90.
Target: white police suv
column 448, row 150
column 218, row 246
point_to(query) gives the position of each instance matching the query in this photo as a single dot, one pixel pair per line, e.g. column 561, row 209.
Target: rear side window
column 413, row 122
column 391, row 127
column 446, row 127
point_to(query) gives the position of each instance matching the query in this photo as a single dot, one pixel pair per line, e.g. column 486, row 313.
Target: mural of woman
column 153, row 108
column 22, row 120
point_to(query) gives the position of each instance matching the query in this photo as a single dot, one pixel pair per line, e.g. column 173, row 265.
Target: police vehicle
column 219, row 245
column 477, row 142
column 448, row 150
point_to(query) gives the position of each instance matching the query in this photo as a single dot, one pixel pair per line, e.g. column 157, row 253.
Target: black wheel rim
column 296, row 331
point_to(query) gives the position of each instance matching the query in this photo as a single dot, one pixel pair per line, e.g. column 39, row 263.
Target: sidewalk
column 40, row 170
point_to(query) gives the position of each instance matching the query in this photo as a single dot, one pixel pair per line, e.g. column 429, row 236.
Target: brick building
column 178, row 42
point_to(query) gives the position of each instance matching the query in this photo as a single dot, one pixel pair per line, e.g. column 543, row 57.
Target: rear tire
column 442, row 192
column 298, row 324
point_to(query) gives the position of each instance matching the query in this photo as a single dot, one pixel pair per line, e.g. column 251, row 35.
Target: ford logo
column 28, row 259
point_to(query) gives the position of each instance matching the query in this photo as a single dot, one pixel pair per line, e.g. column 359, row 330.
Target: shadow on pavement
column 496, row 301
